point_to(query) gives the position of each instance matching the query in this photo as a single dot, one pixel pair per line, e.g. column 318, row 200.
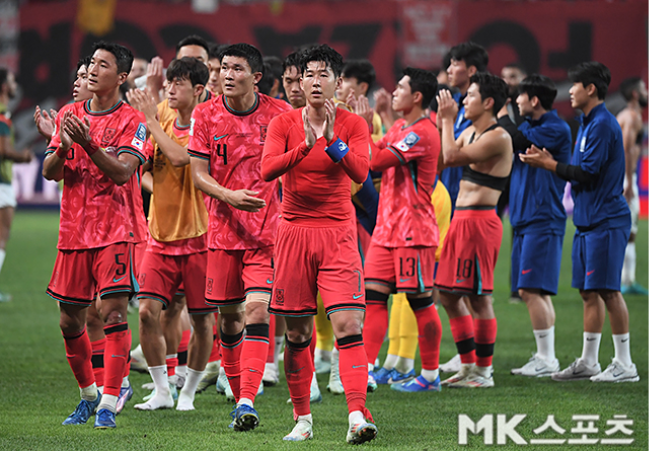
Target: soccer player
column 177, row 250
column 472, row 244
column 271, row 82
column 214, row 65
column 96, row 149
column 7, row 155
column 537, row 216
column 631, row 121
column 602, row 220
column 291, row 80
column 513, row 74
column 226, row 144
column 402, row 252
column 317, row 150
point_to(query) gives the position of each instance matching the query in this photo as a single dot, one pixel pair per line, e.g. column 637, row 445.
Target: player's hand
column 310, row 133
column 363, row 109
column 245, row 199
column 143, row 101
column 537, row 158
column 351, row 101
column 78, row 130
column 383, row 101
column 330, row 117
column 155, row 75
column 447, row 106
column 44, row 122
column 66, row 141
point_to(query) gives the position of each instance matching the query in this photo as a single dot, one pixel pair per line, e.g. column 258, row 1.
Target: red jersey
column 95, row 211
column 315, row 190
column 405, row 214
column 232, row 142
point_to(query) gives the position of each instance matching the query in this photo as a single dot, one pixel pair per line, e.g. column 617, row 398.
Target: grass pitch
column 38, row 390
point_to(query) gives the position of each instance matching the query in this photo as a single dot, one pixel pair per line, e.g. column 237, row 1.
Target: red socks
column 79, row 353
column 231, row 349
column 485, row 335
column 98, row 360
column 429, row 336
column 353, row 369
column 375, row 324
column 270, row 357
column 298, row 368
column 254, row 351
column 116, row 354
column 462, row 328
column 215, row 354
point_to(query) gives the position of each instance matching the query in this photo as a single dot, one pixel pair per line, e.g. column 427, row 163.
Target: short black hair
column 4, row 74
column 242, row 50
column 85, row 61
column 216, row 51
column 272, row 72
column 629, row 86
column 322, row 53
column 190, row 69
column 362, row 70
column 539, row 86
column 292, row 60
column 123, row 56
column 193, row 39
column 473, row 55
column 424, row 82
column 516, row 65
column 594, row 73
column 491, row 86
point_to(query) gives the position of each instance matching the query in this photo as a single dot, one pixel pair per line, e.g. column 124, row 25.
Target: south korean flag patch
column 140, row 136
column 408, row 142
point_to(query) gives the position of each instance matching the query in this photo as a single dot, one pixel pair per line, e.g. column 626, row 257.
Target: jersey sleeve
column 199, row 145
column 357, row 161
column 133, row 138
column 150, row 148
column 595, row 149
column 276, row 158
column 56, row 139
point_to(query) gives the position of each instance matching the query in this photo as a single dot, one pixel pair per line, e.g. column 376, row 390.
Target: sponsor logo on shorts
column 209, row 285
column 460, row 280
column 141, row 279
column 117, row 280
column 356, row 296
column 526, row 271
column 358, row 366
column 279, row 297
column 269, row 281
column 402, row 280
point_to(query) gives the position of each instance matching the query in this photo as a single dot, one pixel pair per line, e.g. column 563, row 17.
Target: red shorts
column 470, row 252
column 402, row 269
column 79, row 274
column 311, row 259
column 161, row 277
column 138, row 255
column 232, row 274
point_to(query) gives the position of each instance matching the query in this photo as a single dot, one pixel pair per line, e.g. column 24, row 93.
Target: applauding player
column 319, row 149
column 96, row 149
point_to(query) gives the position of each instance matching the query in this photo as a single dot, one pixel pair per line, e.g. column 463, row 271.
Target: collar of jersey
column 241, row 113
column 181, row 127
column 101, row 113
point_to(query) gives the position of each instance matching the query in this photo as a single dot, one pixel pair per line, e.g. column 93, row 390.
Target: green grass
column 38, row 390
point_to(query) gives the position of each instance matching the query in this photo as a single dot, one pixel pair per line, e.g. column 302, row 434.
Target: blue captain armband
column 337, row 150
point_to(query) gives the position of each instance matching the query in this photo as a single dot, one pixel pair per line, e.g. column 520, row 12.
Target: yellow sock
column 324, row 333
column 408, row 332
column 394, row 322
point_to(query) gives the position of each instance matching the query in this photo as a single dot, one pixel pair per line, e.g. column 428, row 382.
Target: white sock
column 622, row 348
column 159, row 376
column 248, row 402
column 371, row 367
column 485, row 371
column 222, row 371
column 324, row 355
column 125, row 382
column 545, row 339
column 590, row 347
column 181, row 371
column 356, row 417
column 89, row 393
column 306, row 418
column 191, row 382
column 279, row 341
column 629, row 265
column 391, row 361
column 429, row 375
column 404, row 365
column 3, row 253
column 314, row 383
column 108, row 402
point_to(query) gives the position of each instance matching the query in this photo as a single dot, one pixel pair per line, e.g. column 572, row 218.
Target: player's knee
column 149, row 313
column 418, row 302
column 202, row 323
column 115, row 316
column 257, row 307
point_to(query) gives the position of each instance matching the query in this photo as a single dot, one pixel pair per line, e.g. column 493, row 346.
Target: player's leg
column 171, row 322
column 6, row 218
column 212, row 369
column 383, row 374
column 95, row 328
column 408, row 341
column 324, row 340
column 183, row 345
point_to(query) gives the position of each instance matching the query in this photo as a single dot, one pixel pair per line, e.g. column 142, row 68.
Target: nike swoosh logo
column 590, row 272
column 404, row 280
column 526, row 271
column 296, row 371
column 616, row 375
column 590, row 339
column 117, row 280
column 543, row 336
column 269, row 281
column 222, row 136
column 116, row 356
column 539, row 369
column 460, row 280
column 579, row 372
column 358, row 366
column 623, row 341
column 356, row 296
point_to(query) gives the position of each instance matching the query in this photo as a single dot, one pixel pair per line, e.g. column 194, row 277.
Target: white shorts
column 634, row 204
column 7, row 196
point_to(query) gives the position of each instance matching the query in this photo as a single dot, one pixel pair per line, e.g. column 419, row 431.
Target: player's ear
column 198, row 90
column 488, row 104
column 591, row 90
column 471, row 70
column 121, row 78
column 534, row 102
column 258, row 77
column 417, row 98
column 339, row 82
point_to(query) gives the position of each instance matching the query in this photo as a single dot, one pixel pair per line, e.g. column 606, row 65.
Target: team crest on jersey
column 279, row 297
column 208, row 287
column 263, row 130
column 108, row 136
column 409, row 141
